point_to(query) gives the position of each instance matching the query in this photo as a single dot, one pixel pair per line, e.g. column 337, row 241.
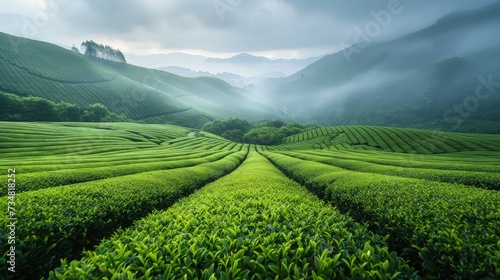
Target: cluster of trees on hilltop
column 94, row 49
column 16, row 108
column 262, row 133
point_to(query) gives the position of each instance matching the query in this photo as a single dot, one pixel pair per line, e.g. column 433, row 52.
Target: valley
column 247, row 140
column 254, row 207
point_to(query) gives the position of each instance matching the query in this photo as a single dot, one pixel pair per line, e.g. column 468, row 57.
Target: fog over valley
column 238, row 139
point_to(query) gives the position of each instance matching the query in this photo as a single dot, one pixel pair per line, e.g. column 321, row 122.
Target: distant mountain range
column 446, row 76
column 244, row 64
column 240, row 58
column 29, row 67
column 163, row 60
column 249, row 58
column 233, row 79
column 425, row 79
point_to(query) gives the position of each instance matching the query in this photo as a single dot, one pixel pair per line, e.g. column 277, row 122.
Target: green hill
column 130, row 189
column 415, row 81
column 401, row 140
column 29, row 67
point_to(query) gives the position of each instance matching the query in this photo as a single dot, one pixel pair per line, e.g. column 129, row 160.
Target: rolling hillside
column 29, row 67
column 414, row 81
column 400, row 140
column 381, row 161
column 171, row 202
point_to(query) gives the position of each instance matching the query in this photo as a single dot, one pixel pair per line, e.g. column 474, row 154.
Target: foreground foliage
column 446, row 230
column 59, row 221
column 77, row 183
column 252, row 224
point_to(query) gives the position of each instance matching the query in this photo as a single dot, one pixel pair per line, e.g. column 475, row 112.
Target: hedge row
column 446, row 230
column 59, row 222
column 252, row 224
column 478, row 179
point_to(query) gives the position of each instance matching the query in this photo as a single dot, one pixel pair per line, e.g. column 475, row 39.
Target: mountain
column 186, row 72
column 425, row 79
column 244, row 64
column 29, row 67
column 240, row 58
column 162, row 60
column 233, row 79
column 248, row 65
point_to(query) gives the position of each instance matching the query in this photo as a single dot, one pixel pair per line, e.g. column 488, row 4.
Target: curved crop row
column 463, row 161
column 46, row 60
column 120, row 95
column 47, row 179
column 51, row 163
column 60, row 222
column 478, row 179
column 401, row 140
column 447, row 231
column 21, row 139
column 252, row 224
column 192, row 118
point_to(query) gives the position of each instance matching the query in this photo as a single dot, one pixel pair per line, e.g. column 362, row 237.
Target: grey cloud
column 247, row 26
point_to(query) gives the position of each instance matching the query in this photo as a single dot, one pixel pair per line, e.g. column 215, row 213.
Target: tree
column 75, row 49
column 290, row 130
column 264, row 136
column 16, row 108
column 10, row 108
column 214, row 127
column 233, row 135
column 220, row 126
column 93, row 49
column 39, row 109
column 69, row 112
column 276, row 123
column 114, row 117
column 120, row 56
column 95, row 113
column 236, row 123
column 89, row 48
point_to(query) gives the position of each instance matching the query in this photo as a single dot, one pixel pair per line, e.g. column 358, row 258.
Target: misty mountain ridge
column 427, row 79
column 244, row 64
column 411, row 81
column 249, row 58
column 233, row 79
column 140, row 94
column 240, row 58
column 163, row 60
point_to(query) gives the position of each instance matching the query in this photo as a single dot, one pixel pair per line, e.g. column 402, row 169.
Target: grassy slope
column 40, row 69
column 29, row 67
column 450, row 228
column 254, row 223
column 62, row 168
column 413, row 141
column 398, row 82
column 83, row 160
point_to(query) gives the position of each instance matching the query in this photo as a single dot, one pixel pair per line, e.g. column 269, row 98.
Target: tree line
column 17, row 108
column 94, row 49
column 261, row 133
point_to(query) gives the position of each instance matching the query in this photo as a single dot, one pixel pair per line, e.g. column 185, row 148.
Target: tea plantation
column 136, row 201
column 53, row 73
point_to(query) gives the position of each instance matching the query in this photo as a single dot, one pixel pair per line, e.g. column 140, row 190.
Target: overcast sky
column 272, row 28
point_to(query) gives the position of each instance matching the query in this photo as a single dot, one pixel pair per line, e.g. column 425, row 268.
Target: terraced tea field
column 33, row 68
column 131, row 201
